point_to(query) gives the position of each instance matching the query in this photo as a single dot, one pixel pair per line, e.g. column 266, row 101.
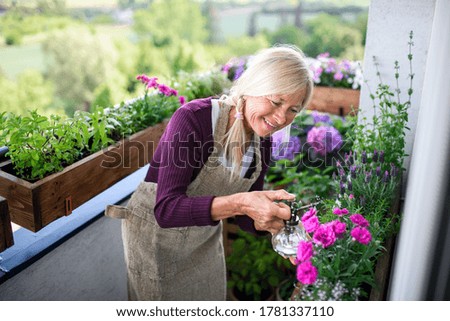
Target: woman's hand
column 267, row 214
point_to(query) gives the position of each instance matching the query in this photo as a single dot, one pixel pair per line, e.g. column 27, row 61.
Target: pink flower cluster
column 324, row 236
column 152, row 82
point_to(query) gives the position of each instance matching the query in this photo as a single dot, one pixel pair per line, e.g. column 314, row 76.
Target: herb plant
column 40, row 145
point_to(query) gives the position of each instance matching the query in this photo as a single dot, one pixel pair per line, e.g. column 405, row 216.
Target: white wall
column 388, row 30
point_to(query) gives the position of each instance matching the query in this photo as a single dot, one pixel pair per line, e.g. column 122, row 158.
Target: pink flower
column 164, row 89
column 359, row 220
column 339, row 212
column 182, row 100
column 311, row 224
column 324, row 235
column 309, row 213
column 307, row 273
column 350, row 197
column 152, row 82
column 339, row 228
column 149, row 82
column 305, row 251
column 361, row 235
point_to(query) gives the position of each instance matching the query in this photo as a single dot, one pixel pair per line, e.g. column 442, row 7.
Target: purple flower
column 385, row 177
column 286, row 150
column 311, row 224
column 323, row 55
column 321, row 117
column 375, row 156
column 363, row 157
column 338, row 76
column 361, row 235
column 353, row 171
column 324, row 139
column 342, row 188
column 307, row 273
column 182, row 100
column 381, row 157
column 359, row 220
column 305, row 251
column 239, row 70
column 394, row 170
column 378, row 171
column 324, row 235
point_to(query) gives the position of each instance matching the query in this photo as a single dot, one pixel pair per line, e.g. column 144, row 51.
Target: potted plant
column 338, row 84
column 337, row 87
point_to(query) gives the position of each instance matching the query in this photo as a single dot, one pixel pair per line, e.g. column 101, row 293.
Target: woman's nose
column 280, row 116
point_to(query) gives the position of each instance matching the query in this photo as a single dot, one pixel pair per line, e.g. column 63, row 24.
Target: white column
column 429, row 171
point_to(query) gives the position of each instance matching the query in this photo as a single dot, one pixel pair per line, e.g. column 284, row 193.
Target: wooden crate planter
column 35, row 205
column 6, row 235
column 337, row 101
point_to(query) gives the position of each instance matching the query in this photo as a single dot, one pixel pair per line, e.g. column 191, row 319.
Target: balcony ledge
column 29, row 246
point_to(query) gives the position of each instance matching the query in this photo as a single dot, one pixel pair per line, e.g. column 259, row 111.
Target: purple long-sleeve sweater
column 182, row 151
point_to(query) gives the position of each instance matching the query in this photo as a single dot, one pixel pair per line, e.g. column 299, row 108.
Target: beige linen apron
column 185, row 263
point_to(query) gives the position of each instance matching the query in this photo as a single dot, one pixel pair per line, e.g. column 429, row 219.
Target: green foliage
column 30, row 91
column 243, row 46
column 254, row 267
column 15, row 25
column 102, row 96
column 96, row 55
column 329, row 34
column 40, row 145
column 167, row 22
column 288, row 34
column 201, row 84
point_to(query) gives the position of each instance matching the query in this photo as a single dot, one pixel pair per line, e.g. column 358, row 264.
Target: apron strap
column 116, row 211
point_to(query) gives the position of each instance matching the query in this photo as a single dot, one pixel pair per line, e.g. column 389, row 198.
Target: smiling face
column 265, row 115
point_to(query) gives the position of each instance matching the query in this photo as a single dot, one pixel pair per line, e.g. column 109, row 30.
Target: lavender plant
column 387, row 127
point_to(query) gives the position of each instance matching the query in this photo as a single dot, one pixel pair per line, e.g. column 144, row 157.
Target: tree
column 329, row 34
column 288, row 34
column 167, row 22
column 79, row 62
column 31, row 91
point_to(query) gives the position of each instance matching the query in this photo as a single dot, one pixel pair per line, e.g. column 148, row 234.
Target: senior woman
column 210, row 165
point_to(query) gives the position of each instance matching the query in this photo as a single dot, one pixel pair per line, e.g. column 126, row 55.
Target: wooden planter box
column 6, row 235
column 337, row 101
column 35, row 205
